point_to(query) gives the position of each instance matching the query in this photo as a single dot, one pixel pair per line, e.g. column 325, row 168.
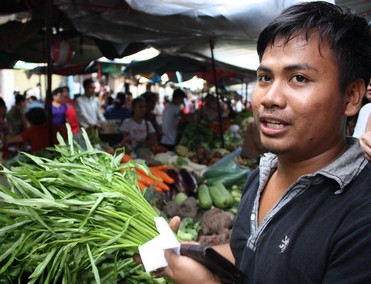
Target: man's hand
column 365, row 141
column 184, row 270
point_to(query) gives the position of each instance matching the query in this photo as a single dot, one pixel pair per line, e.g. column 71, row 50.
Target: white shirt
column 88, row 111
column 170, row 119
column 137, row 132
column 361, row 124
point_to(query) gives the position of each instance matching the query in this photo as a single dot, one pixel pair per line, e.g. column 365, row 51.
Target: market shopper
column 71, row 116
column 170, row 120
column 58, row 107
column 151, row 101
column 118, row 110
column 363, row 115
column 137, row 131
column 365, row 140
column 37, row 134
column 305, row 213
column 15, row 117
column 87, row 107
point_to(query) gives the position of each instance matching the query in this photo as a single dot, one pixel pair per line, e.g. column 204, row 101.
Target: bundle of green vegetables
column 76, row 218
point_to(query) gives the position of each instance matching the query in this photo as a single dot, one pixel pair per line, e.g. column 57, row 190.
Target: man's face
column 297, row 103
column 90, row 90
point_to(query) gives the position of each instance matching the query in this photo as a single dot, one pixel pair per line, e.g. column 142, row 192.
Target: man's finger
column 174, row 224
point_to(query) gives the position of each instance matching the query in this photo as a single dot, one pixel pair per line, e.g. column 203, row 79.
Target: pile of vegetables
column 154, row 177
column 204, row 137
column 75, row 218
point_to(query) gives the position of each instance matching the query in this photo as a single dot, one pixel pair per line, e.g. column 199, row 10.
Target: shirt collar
column 343, row 170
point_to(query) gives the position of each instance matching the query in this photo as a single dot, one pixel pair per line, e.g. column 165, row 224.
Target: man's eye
column 263, row 78
column 299, row 79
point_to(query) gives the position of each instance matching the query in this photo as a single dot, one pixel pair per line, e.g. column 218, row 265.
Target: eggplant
column 189, row 182
column 178, row 180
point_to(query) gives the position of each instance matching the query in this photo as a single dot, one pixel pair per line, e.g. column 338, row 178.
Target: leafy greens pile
column 77, row 218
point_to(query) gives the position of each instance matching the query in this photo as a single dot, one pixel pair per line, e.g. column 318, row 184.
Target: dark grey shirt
column 305, row 238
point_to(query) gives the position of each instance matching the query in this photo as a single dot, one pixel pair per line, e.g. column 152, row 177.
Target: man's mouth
column 274, row 124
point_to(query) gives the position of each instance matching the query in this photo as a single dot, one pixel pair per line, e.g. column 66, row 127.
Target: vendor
column 137, row 132
column 252, row 147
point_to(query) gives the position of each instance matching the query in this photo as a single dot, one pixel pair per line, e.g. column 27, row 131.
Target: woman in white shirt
column 136, row 130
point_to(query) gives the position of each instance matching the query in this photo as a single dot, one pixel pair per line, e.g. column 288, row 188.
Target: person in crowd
column 209, row 109
column 16, row 116
column 38, row 132
column 305, row 213
column 71, row 116
column 32, row 102
column 58, row 107
column 158, row 111
column 252, row 148
column 365, row 140
column 137, row 131
column 107, row 101
column 87, row 107
column 363, row 115
column 151, row 101
column 128, row 100
column 115, row 114
column 367, row 97
column 118, row 110
column 170, row 120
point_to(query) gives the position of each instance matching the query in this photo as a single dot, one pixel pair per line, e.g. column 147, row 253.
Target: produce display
column 76, row 215
column 76, row 218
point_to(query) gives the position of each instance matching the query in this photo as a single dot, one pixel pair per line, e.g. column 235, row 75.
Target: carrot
column 148, row 181
column 162, row 175
column 159, row 167
column 152, row 176
column 141, row 185
column 161, row 185
column 126, row 158
column 157, row 189
column 144, row 178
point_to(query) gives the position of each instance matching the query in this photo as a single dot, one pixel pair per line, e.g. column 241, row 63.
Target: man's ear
column 354, row 94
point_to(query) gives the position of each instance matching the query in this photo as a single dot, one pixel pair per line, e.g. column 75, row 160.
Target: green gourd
column 204, row 198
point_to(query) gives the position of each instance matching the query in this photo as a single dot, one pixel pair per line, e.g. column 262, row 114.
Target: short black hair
column 36, row 115
column 347, row 34
column 148, row 96
column 19, row 98
column 179, row 93
column 87, row 82
column 2, row 102
column 57, row 90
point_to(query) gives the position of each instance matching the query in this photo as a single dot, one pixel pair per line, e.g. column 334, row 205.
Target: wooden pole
column 218, row 96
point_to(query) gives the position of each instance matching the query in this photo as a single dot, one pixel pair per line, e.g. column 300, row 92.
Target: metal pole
column 49, row 68
column 218, row 97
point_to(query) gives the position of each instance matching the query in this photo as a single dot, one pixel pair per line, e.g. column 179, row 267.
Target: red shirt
column 38, row 137
column 72, row 119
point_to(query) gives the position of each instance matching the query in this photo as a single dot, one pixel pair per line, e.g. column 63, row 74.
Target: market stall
column 80, row 214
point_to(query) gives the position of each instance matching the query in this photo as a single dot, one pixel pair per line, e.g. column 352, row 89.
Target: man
column 37, row 133
column 16, row 116
column 170, row 120
column 87, row 107
column 305, row 216
column 151, row 101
